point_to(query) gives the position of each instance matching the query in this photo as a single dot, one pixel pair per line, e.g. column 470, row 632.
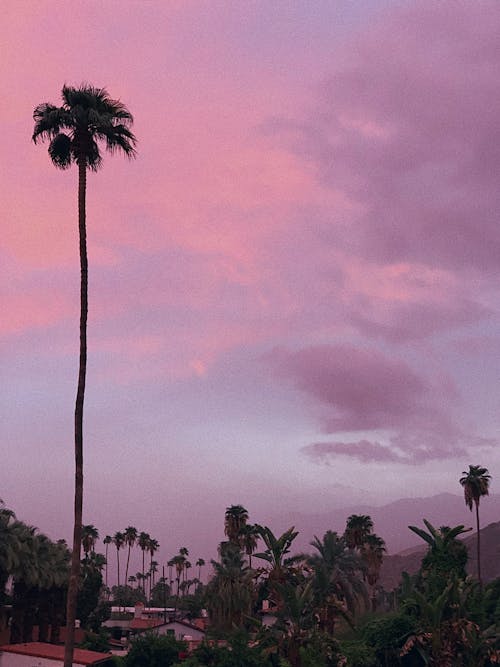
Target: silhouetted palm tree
column 107, row 541
column 249, row 538
column 476, row 482
column 235, row 518
column 90, row 535
column 199, row 564
column 88, row 116
column 372, row 553
column 118, row 541
column 130, row 540
column 143, row 542
column 358, row 526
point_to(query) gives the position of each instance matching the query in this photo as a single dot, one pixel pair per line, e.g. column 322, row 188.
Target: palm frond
column 60, row 151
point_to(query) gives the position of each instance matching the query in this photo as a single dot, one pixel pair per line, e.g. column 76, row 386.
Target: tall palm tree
column 153, row 547
column 235, row 518
column 476, row 483
column 88, row 116
column 130, row 540
column 143, row 542
column 118, row 541
column 199, row 564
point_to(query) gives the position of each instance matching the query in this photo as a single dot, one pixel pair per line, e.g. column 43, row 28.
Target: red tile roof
column 56, row 652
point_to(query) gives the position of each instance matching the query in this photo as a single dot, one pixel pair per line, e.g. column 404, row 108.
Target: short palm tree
column 358, row 526
column 90, row 535
column 476, row 483
column 87, row 117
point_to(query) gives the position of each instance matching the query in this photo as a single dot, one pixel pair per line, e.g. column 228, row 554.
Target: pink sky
column 293, row 289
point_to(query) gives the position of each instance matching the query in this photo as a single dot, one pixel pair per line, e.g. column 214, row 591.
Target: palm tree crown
column 88, row 115
column 235, row 518
column 476, row 483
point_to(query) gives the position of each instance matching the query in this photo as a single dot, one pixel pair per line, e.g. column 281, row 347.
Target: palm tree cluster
column 37, row 569
column 127, row 540
column 324, row 608
column 305, row 595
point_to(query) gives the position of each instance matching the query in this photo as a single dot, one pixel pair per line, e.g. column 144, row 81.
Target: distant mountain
column 410, row 560
column 391, row 520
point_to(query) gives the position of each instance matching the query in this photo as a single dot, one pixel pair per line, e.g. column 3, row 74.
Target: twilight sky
column 293, row 289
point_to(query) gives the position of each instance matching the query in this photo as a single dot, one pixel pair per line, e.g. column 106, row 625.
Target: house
column 181, row 630
column 39, row 654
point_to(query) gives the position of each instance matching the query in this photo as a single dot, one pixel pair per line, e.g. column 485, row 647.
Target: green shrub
column 151, row 650
column 359, row 654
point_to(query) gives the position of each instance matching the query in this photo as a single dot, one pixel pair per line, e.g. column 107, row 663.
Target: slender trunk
column 143, row 575
column 78, row 506
column 106, row 575
column 126, row 567
column 118, row 566
column 478, row 548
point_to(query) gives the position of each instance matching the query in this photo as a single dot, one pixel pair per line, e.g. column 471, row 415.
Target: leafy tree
column 275, row 554
column 124, row 596
column 153, row 650
column 338, row 586
column 387, row 635
column 90, row 587
column 476, row 482
column 229, row 592
column 446, row 557
column 88, row 116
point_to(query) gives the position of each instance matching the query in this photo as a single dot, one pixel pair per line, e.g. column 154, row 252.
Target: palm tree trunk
column 478, row 548
column 118, row 566
column 78, row 505
column 126, row 568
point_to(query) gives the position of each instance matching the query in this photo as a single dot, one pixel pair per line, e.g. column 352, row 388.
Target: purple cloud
column 362, row 390
column 364, row 451
column 407, row 129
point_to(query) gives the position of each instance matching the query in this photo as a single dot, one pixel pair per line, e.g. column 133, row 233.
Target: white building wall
column 16, row 660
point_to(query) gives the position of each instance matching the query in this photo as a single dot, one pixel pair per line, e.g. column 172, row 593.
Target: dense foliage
column 320, row 609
